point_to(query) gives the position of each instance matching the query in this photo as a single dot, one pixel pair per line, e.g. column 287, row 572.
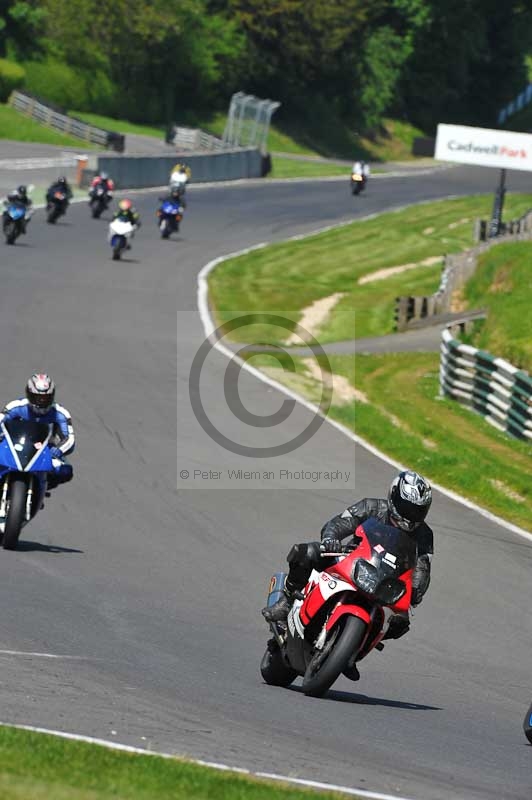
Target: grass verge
column 503, row 285
column 40, row 766
column 290, row 168
column 288, row 277
column 118, row 125
column 20, row 128
column 398, row 409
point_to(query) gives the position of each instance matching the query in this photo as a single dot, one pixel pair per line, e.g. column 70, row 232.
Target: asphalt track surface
column 131, row 610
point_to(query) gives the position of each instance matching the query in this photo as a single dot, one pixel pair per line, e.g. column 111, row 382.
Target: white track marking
column 329, row 787
column 38, row 655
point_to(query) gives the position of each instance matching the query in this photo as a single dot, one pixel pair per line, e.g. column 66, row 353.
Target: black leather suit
column 303, row 558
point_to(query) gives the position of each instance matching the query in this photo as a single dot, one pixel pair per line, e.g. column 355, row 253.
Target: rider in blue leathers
column 39, row 406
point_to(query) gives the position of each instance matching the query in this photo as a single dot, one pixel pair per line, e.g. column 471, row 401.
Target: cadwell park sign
column 485, row 147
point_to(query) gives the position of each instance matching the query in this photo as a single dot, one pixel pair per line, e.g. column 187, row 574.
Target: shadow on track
column 364, row 700
column 30, row 547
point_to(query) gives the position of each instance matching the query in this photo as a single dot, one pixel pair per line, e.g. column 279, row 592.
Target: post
column 498, row 203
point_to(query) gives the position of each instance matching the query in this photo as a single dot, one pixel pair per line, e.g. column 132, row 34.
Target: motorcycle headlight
column 365, row 576
column 390, row 591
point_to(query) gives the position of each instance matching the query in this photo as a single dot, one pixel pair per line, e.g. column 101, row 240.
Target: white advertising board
column 485, row 147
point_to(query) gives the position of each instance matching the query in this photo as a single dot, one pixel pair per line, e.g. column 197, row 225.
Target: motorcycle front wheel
column 18, row 491
column 327, row 664
column 10, row 232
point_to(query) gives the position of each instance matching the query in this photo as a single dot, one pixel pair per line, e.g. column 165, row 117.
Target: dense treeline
column 155, row 60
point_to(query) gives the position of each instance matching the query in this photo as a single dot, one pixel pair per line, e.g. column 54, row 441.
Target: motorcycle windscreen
column 29, row 440
column 16, row 212
column 391, row 544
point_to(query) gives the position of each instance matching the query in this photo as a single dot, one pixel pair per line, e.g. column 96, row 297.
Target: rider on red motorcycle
column 409, row 500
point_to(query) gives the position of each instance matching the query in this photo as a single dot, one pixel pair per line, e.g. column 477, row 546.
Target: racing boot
column 279, row 611
column 399, row 625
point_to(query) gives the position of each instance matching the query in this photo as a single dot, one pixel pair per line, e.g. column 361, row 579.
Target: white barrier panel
column 484, row 147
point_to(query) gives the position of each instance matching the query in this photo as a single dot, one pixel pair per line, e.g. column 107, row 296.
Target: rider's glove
column 330, row 545
column 55, row 452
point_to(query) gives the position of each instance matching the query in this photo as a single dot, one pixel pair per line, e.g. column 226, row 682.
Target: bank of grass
column 290, row 168
column 502, row 284
column 285, row 278
column 405, row 417
column 119, row 125
column 20, row 128
column 315, row 137
column 39, row 767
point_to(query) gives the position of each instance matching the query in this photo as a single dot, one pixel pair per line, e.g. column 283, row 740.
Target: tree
column 20, row 24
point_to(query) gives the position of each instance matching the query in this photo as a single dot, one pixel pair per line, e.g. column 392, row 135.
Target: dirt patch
column 314, row 316
column 343, row 392
column 507, row 491
column 382, row 274
column 502, row 281
column 428, row 231
column 460, row 222
column 458, row 302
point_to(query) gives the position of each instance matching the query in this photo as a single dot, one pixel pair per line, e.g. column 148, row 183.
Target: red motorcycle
column 343, row 612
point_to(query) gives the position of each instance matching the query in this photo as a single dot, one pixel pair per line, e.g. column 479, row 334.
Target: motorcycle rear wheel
column 327, row 665
column 273, row 667
column 15, row 516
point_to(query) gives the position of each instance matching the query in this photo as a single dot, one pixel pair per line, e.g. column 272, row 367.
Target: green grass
column 405, row 418
column 287, row 277
column 503, row 285
column 39, row 767
column 290, row 168
column 16, row 126
column 118, row 125
column 317, row 137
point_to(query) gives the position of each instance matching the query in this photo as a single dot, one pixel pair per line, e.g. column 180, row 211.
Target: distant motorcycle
column 99, row 200
column 342, row 613
column 13, row 221
column 56, row 206
column 170, row 215
column 25, row 460
column 120, row 232
column 358, row 182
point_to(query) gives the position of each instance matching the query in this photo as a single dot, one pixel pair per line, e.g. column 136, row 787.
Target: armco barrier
column 493, row 387
column 53, row 118
column 137, row 172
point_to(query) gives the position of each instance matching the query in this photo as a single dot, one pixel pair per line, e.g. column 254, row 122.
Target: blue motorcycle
column 170, row 215
column 13, row 221
column 25, row 461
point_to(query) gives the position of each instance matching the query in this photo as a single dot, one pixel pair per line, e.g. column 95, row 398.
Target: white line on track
column 213, row 765
column 38, row 655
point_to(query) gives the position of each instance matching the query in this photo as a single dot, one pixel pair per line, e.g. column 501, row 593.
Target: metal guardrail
column 39, row 111
column 493, row 387
column 195, row 139
column 458, row 268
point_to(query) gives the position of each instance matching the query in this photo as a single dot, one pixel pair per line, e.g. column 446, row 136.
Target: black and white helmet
column 40, row 391
column 409, row 500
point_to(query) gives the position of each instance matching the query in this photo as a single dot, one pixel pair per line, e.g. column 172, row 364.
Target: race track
column 146, row 588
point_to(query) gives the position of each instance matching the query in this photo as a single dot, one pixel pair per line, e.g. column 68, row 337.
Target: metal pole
column 498, row 204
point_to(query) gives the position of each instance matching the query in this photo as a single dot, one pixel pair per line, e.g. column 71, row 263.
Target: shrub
column 11, row 77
